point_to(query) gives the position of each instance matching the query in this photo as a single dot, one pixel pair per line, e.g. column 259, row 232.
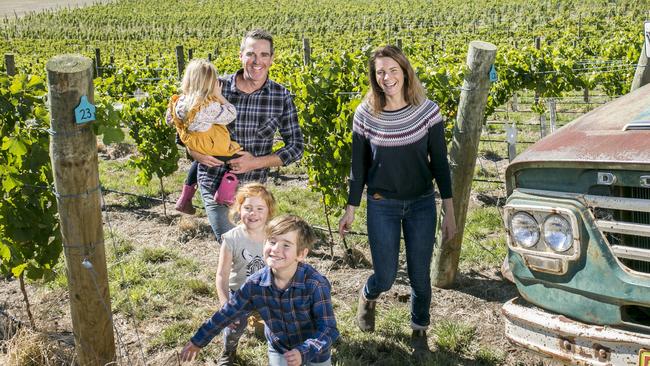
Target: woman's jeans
column 217, row 214
column 277, row 359
column 386, row 220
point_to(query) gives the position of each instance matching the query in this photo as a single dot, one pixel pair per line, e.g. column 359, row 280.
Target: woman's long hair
column 413, row 90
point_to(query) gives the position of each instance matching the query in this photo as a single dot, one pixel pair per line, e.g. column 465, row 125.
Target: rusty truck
column 578, row 222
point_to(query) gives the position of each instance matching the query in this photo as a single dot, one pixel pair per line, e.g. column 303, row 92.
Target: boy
column 290, row 295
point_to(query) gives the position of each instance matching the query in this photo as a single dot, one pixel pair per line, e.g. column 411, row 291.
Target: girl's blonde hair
column 200, row 82
column 414, row 92
column 251, row 190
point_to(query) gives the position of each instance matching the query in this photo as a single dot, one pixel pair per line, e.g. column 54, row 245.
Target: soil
column 476, row 299
column 21, row 7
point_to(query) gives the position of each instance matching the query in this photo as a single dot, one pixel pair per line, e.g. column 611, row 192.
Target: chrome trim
column 606, row 179
column 510, row 209
column 631, row 253
column 617, row 203
column 645, row 181
column 623, row 228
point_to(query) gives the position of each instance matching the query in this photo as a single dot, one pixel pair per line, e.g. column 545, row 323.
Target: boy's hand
column 293, row 358
column 189, row 352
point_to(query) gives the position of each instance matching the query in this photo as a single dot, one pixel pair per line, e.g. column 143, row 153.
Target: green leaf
column 16, row 86
column 18, row 270
column 5, row 252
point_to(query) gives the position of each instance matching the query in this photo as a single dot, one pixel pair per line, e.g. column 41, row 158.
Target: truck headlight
column 525, row 229
column 557, row 233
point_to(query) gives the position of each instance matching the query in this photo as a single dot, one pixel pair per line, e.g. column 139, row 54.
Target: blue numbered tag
column 493, row 74
column 85, row 112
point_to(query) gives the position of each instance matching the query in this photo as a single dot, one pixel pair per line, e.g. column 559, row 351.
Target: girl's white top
column 247, row 256
column 213, row 113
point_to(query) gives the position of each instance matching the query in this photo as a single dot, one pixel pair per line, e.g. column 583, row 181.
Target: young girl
column 242, row 253
column 200, row 115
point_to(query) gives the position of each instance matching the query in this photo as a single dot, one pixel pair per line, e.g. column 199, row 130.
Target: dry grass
column 31, row 348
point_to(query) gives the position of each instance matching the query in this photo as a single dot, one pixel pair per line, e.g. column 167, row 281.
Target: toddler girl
column 200, row 114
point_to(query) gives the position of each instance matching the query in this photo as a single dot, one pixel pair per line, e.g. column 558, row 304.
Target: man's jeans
column 217, row 214
column 386, row 219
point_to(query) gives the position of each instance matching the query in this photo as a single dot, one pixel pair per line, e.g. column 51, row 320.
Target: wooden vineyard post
column 462, row 154
column 306, row 52
column 642, row 73
column 73, row 151
column 98, row 63
column 10, row 64
column 180, row 61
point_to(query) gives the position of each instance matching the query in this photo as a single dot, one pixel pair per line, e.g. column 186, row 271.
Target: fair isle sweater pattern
column 396, row 128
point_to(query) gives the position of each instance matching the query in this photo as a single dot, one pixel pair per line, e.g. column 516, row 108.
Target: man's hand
column 189, row 352
column 207, row 160
column 293, row 358
column 244, row 163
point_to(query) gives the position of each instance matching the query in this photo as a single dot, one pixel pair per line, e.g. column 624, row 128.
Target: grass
column 167, row 286
column 454, row 337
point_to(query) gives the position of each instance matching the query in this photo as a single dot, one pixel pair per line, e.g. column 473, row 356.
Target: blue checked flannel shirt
column 300, row 317
column 259, row 115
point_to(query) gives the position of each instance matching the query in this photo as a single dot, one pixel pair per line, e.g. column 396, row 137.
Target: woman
column 398, row 148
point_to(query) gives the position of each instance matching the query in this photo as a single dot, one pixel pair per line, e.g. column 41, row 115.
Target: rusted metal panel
column 597, row 137
column 570, row 341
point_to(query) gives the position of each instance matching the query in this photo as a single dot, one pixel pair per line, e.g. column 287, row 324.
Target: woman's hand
column 449, row 220
column 207, row 160
column 345, row 223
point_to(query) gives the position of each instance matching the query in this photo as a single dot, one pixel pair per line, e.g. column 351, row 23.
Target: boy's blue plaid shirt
column 299, row 317
column 259, row 115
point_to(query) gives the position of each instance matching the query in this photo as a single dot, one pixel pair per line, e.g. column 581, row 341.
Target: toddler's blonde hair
column 200, row 82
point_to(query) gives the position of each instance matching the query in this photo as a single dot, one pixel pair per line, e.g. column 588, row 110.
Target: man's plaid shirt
column 259, row 115
column 299, row 317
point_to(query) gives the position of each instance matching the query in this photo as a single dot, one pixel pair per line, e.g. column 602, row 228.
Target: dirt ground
column 20, row 7
column 476, row 300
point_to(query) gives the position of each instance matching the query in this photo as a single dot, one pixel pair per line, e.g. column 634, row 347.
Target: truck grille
column 624, row 220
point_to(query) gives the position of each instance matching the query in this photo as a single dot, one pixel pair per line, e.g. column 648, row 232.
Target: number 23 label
column 85, row 111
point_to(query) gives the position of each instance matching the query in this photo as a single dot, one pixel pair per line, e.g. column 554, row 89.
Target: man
column 263, row 107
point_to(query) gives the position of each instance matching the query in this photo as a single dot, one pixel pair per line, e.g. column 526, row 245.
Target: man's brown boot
column 366, row 313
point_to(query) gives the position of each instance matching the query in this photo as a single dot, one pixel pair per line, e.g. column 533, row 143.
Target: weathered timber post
column 462, row 155
column 553, row 114
column 306, row 52
column 98, row 62
column 180, row 61
column 190, row 54
column 10, row 64
column 73, row 151
column 642, row 74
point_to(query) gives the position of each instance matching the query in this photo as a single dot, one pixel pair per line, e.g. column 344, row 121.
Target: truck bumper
column 570, row 341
